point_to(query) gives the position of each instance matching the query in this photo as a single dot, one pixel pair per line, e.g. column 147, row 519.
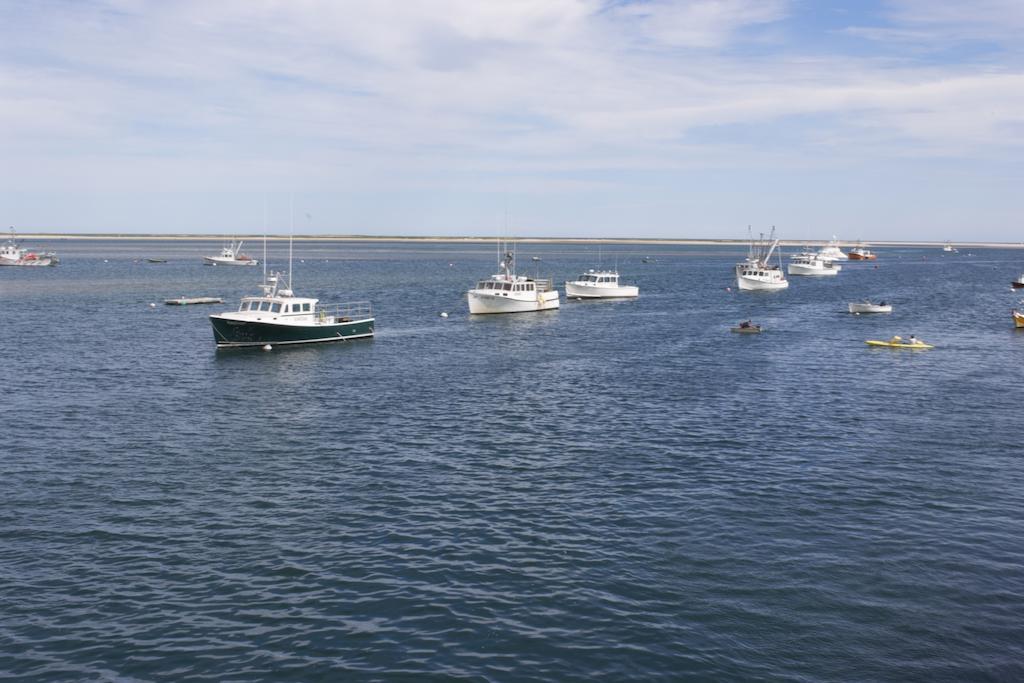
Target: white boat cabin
column 503, row 286
column 606, row 278
column 274, row 307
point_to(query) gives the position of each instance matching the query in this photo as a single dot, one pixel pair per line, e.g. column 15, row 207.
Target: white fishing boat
column 832, row 252
column 506, row 292
column 867, row 306
column 756, row 272
column 231, row 255
column 599, row 284
column 1018, row 283
column 12, row 254
column 811, row 264
column 949, row 248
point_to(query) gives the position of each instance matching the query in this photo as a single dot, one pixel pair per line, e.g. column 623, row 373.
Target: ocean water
column 611, row 491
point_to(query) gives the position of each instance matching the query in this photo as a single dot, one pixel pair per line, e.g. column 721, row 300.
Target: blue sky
column 894, row 119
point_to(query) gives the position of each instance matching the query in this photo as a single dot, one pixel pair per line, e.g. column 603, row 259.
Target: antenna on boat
column 264, row 239
column 291, row 234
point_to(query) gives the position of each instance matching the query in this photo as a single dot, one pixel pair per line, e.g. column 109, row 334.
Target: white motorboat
column 810, row 263
column 11, row 254
column 506, row 292
column 832, row 252
column 231, row 255
column 599, row 284
column 756, row 273
column 868, row 307
column 860, row 253
column 949, row 248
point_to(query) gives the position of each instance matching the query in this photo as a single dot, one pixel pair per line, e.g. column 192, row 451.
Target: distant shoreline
column 490, row 240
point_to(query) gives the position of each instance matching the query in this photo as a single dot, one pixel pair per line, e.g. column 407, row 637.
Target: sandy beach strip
column 152, row 237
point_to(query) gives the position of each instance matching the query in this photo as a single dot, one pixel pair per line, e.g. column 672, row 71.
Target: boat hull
column 1017, row 284
column 798, row 269
column 897, row 345
column 29, row 262
column 1018, row 319
column 228, row 332
column 484, row 302
column 752, row 284
column 869, row 308
column 585, row 291
column 219, row 261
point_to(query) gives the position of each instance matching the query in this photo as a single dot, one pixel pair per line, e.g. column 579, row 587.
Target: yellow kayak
column 899, row 344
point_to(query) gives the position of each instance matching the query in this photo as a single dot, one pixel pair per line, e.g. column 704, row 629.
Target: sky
column 871, row 119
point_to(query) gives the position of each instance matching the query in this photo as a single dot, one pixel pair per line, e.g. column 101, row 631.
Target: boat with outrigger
column 13, row 254
column 231, row 255
column 757, row 272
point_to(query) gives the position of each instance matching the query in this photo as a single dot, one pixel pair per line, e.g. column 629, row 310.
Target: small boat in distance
column 191, row 301
column 156, row 260
column 506, row 292
column 231, row 255
column 746, row 327
column 1018, row 283
column 11, row 254
column 868, row 307
column 859, row 253
column 600, row 284
column 1018, row 318
column 949, row 248
column 756, row 273
column 810, row 263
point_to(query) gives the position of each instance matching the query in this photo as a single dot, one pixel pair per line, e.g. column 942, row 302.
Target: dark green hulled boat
column 279, row 317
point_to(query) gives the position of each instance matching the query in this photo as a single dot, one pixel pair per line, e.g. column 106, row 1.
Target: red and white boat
column 13, row 255
column 859, row 253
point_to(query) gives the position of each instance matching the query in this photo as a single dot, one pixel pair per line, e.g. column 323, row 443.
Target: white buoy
column 268, row 347
column 152, row 305
column 444, row 314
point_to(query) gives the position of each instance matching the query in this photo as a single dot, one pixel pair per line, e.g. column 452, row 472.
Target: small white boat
column 949, row 248
column 599, row 284
column 506, row 292
column 868, row 307
column 231, row 255
column 860, row 253
column 1018, row 283
column 11, row 254
column 756, row 273
column 811, row 264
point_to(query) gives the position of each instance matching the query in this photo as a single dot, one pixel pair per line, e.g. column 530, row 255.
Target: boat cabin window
column 275, row 308
column 507, row 286
column 529, row 287
column 305, row 307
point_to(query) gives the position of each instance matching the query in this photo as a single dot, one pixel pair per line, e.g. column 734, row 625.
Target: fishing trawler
column 231, row 255
column 506, row 292
column 11, row 254
column 756, row 273
column 599, row 284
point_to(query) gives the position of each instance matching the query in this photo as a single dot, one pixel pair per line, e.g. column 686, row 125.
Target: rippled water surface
column 611, row 491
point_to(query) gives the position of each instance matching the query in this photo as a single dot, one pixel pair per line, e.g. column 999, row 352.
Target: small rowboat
column 897, row 343
column 1018, row 318
column 746, row 328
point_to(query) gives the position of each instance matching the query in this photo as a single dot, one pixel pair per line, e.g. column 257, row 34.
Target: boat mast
column 264, row 239
column 291, row 233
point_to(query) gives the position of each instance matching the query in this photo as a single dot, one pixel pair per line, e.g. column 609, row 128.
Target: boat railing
column 345, row 312
column 545, row 284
